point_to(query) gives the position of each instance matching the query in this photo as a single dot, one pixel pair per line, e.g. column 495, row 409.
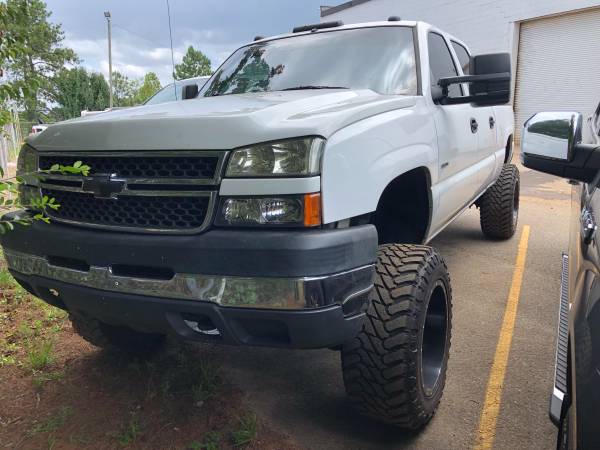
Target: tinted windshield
column 379, row 58
column 166, row 94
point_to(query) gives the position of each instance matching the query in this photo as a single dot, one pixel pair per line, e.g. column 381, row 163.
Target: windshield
column 166, row 94
column 378, row 58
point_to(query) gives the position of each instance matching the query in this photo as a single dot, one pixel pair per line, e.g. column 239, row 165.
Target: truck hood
column 217, row 123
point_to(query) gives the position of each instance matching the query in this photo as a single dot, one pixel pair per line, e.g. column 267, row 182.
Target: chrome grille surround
column 158, row 187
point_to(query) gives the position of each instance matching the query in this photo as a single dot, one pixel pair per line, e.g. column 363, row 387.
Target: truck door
column 487, row 129
column 457, row 127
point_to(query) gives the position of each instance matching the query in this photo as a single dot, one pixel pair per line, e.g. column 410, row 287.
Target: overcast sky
column 141, row 32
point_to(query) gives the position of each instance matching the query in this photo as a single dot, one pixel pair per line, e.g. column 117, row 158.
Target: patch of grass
column 246, row 429
column 41, row 356
column 7, row 360
column 210, row 442
column 42, row 378
column 24, row 331
column 8, row 350
column 6, row 280
column 184, row 374
column 130, row 432
column 207, row 382
column 51, row 424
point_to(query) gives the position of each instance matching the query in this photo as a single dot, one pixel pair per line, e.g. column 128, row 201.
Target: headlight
column 27, row 164
column 297, row 157
column 290, row 210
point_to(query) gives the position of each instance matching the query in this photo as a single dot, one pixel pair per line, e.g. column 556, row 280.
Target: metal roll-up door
column 558, row 65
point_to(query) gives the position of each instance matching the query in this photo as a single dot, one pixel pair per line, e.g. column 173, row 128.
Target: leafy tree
column 194, row 64
column 40, row 56
column 77, row 90
column 149, row 87
column 11, row 45
column 124, row 89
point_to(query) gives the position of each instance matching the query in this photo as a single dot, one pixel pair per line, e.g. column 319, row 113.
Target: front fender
column 363, row 158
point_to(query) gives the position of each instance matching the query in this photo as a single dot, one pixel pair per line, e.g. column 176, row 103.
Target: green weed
column 41, row 356
column 51, row 424
column 130, row 432
column 210, row 442
column 246, row 430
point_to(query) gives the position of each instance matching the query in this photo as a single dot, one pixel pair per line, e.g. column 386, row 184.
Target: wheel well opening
column 404, row 209
column 508, row 153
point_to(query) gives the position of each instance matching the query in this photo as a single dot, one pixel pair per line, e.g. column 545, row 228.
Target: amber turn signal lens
column 312, row 210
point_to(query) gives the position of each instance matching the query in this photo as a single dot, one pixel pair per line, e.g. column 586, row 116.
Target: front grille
column 154, row 192
column 197, row 167
column 153, row 213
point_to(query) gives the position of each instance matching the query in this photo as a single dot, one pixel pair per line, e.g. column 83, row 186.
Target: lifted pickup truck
column 287, row 206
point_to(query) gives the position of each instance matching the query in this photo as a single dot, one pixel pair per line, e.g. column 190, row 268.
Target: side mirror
column 189, row 91
column 489, row 83
column 551, row 143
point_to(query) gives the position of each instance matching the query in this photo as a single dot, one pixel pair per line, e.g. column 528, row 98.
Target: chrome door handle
column 474, row 126
column 588, row 226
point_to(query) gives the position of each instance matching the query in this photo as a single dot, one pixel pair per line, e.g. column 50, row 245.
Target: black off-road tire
column 406, row 332
column 499, row 205
column 116, row 338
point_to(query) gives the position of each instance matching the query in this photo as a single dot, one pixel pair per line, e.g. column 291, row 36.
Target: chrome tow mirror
column 552, row 135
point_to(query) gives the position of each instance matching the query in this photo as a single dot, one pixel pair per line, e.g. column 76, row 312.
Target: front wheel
column 395, row 369
column 499, row 205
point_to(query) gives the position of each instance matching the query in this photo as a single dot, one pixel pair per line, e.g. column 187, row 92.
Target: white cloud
column 135, row 57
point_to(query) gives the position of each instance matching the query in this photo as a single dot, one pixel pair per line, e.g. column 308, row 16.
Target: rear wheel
column 113, row 337
column 395, row 369
column 499, row 205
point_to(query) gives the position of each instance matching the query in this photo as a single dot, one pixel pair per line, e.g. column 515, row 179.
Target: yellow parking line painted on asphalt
column 493, row 394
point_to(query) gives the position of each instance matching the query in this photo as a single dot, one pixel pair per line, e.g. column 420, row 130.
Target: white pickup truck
column 287, row 205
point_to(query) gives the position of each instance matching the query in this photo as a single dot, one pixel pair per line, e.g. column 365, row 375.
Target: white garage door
column 558, row 65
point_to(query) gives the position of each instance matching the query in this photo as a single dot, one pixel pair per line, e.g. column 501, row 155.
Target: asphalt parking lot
column 300, row 393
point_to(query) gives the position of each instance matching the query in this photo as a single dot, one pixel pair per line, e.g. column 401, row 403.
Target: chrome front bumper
column 282, row 293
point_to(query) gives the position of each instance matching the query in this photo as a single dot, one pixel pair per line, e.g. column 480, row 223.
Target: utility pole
column 110, row 86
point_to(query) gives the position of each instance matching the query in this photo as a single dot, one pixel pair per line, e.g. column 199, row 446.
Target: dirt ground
column 59, row 392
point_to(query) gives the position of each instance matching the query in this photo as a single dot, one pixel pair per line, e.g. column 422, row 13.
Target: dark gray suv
column 562, row 144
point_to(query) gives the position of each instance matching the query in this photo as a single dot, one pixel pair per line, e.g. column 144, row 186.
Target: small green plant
column 130, row 432
column 246, row 430
column 52, row 423
column 42, row 378
column 41, row 356
column 24, row 331
column 210, row 442
column 207, row 384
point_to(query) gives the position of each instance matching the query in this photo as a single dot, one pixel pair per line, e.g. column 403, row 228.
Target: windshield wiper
column 301, row 88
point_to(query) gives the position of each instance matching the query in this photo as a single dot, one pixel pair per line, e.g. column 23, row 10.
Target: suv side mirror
column 488, row 85
column 551, row 143
column 189, row 91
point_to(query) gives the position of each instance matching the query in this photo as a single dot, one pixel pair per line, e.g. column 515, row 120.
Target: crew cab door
column 487, row 129
column 457, row 129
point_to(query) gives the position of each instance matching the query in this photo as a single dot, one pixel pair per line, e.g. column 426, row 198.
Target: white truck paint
column 371, row 138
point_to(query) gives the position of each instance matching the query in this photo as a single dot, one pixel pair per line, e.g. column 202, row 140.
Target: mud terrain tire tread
column 497, row 203
column 380, row 365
